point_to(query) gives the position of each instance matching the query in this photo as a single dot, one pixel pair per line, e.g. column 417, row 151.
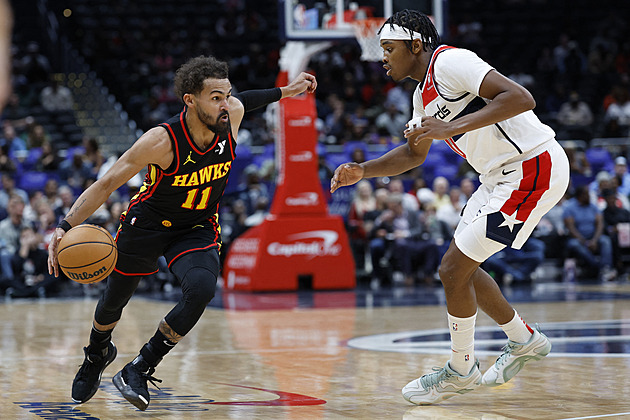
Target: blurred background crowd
column 89, row 76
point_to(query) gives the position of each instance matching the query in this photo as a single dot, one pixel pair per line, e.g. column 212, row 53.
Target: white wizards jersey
column 451, row 90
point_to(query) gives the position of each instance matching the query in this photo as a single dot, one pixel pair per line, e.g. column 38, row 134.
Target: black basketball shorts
column 140, row 248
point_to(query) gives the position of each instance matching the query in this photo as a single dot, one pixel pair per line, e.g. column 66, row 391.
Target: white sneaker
column 442, row 384
column 514, row 357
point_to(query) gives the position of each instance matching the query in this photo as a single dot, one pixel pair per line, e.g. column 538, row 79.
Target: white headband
column 397, row 32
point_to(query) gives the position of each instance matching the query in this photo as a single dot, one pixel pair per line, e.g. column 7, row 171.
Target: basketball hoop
column 365, row 30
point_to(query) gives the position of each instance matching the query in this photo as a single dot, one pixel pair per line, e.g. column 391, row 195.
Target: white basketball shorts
column 511, row 200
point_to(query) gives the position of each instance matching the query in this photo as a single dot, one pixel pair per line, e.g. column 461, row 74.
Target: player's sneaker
column 442, row 384
column 88, row 378
column 131, row 381
column 514, row 357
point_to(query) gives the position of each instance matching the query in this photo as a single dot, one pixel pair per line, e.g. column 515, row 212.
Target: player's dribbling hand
column 346, row 174
column 53, row 264
column 304, row 82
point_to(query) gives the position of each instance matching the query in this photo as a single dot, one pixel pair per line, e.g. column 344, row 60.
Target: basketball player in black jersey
column 174, row 214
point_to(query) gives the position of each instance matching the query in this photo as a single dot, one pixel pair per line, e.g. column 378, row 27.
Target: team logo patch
column 167, row 223
column 502, row 228
column 189, row 159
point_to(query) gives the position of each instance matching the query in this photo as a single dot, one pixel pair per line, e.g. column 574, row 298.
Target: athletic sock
column 462, row 343
column 517, row 330
column 157, row 347
column 99, row 341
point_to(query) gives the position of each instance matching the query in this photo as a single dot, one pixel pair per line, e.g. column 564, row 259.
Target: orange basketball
column 87, row 253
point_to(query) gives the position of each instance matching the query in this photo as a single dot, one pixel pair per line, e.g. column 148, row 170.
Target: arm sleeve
column 254, row 99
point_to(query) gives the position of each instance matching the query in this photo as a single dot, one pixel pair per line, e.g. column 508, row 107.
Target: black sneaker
column 88, row 378
column 131, row 381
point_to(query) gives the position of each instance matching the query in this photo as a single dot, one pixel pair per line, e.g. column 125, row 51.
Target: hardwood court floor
column 331, row 355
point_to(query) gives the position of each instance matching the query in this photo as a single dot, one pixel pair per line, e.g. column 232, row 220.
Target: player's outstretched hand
column 53, row 264
column 304, row 82
column 346, row 174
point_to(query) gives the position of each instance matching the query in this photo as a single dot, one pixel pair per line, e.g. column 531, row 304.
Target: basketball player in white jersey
column 486, row 118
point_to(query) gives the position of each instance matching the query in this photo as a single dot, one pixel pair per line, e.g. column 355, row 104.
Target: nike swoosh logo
column 504, row 172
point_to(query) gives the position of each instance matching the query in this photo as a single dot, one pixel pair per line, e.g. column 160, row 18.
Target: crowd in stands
column 399, row 228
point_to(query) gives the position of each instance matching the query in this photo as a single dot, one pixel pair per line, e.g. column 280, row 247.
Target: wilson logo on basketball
column 86, row 275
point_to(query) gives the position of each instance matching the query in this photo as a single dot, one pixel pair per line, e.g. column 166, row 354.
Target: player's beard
column 216, row 126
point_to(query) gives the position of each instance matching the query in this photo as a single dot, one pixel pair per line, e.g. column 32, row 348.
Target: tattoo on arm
column 76, row 209
column 169, row 333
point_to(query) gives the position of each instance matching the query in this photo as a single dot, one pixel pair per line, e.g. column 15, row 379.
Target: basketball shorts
column 511, row 200
column 140, row 248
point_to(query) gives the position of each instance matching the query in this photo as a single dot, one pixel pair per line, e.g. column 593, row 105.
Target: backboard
column 317, row 20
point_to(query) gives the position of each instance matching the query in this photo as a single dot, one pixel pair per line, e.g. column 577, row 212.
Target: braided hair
column 418, row 22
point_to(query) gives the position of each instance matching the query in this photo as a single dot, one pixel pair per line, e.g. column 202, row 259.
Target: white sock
column 517, row 330
column 462, row 343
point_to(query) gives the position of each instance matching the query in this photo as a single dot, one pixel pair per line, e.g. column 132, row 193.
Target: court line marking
column 597, row 417
column 386, row 342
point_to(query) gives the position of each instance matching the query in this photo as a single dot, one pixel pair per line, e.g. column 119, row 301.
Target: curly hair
column 418, row 22
column 190, row 76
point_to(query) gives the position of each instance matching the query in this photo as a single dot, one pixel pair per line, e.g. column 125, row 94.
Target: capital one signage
column 325, row 243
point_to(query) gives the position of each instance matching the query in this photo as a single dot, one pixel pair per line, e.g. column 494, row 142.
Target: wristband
column 64, row 225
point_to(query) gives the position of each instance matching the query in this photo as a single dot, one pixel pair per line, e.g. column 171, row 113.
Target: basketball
column 87, row 254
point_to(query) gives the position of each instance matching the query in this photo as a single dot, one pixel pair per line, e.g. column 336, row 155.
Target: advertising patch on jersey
column 167, row 223
column 502, row 227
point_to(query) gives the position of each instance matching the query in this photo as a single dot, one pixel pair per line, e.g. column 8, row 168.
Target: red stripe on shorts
column 537, row 174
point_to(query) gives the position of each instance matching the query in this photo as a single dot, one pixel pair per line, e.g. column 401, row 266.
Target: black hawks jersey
column 187, row 193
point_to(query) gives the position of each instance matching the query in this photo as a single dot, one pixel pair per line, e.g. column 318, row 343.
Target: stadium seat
column 33, row 181
column 599, row 159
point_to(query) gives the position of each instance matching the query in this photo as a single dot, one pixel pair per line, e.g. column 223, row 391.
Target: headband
column 397, row 32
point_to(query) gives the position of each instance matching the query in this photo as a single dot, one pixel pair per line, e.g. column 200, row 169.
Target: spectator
column 392, row 120
column 93, row 155
column 10, row 229
column 357, row 155
column 75, row 171
column 617, row 226
column 9, row 188
column 324, row 171
column 36, row 136
column 66, row 197
column 251, row 188
column 399, row 240
column 35, row 66
column 360, row 229
column 410, row 202
column 619, row 110
column 585, row 226
column 261, row 210
column 575, row 118
column 578, row 162
column 622, row 176
column 467, row 187
column 517, row 265
column 552, row 232
column 30, row 266
column 49, row 159
column 11, row 140
column 51, row 192
column 451, row 213
column 441, row 187
column 603, row 181
column 56, row 97
column 438, row 231
column 6, row 163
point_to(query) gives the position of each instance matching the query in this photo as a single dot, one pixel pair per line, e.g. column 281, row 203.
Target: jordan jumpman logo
column 188, row 159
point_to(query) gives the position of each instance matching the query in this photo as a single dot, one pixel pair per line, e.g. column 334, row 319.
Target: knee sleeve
column 197, row 273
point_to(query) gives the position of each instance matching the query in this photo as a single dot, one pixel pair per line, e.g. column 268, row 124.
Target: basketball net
column 366, row 32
